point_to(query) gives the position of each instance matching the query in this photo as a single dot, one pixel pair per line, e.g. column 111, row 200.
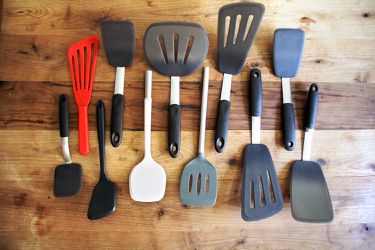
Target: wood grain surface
column 339, row 55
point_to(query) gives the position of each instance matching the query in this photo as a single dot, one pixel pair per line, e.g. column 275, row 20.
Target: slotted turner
column 261, row 193
column 175, row 49
column 199, row 181
column 82, row 58
column 232, row 51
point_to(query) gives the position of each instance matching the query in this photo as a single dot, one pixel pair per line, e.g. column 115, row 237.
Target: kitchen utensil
column 237, row 27
column 119, row 44
column 82, row 58
column 147, row 180
column 103, row 198
column 309, row 193
column 287, row 55
column 261, row 193
column 198, row 180
column 68, row 177
column 175, row 49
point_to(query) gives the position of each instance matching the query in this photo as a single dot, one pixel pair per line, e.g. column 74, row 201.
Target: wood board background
column 339, row 55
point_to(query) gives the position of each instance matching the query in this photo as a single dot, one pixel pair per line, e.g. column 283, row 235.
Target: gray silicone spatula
column 198, row 180
column 287, row 54
column 261, row 193
column 68, row 177
column 237, row 27
column 309, row 193
column 175, row 49
column 119, row 44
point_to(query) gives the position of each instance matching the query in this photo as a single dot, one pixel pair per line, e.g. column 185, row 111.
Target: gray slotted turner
column 175, row 49
column 232, row 51
column 199, row 180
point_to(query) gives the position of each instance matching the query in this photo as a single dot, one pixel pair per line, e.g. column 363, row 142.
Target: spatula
column 175, row 49
column 309, row 193
column 237, row 27
column 198, row 180
column 68, row 177
column 82, row 58
column 119, row 44
column 103, row 198
column 147, row 180
column 261, row 193
column 287, row 55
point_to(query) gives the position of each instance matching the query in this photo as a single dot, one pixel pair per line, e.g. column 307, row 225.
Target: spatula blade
column 103, row 200
column 68, row 180
column 310, row 198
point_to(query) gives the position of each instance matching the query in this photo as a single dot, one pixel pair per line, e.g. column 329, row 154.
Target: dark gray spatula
column 309, row 193
column 175, row 49
column 68, row 177
column 103, row 199
column 261, row 193
column 287, row 54
column 237, row 27
column 119, row 44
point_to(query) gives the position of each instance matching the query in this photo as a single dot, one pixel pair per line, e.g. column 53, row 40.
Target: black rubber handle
column 118, row 101
column 289, row 126
column 255, row 92
column 100, row 125
column 64, row 115
column 174, row 128
column 222, row 125
column 312, row 106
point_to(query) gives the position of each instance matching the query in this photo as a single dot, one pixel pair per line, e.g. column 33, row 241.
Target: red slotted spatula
column 82, row 58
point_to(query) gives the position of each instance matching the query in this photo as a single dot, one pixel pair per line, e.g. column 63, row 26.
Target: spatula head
column 68, row 180
column 237, row 27
column 82, row 58
column 287, row 51
column 103, row 200
column 175, row 48
column 261, row 193
column 309, row 193
column 198, row 183
column 119, row 42
column 147, row 181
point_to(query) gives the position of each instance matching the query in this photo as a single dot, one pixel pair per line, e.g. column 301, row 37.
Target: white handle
column 202, row 129
column 148, row 107
column 175, row 90
column 225, row 89
column 119, row 82
column 287, row 95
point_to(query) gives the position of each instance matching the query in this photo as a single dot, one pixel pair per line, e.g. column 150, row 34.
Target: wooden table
column 339, row 55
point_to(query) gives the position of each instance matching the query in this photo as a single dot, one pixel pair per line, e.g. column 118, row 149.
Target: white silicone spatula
column 147, row 180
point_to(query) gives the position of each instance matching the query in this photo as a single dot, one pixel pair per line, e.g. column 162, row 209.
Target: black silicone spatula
column 103, row 199
column 261, row 193
column 309, row 193
column 119, row 44
column 287, row 54
column 175, row 49
column 237, row 27
column 68, row 177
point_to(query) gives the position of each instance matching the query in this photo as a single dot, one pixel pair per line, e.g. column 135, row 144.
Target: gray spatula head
column 103, row 200
column 198, row 183
column 287, row 51
column 237, row 27
column 309, row 193
column 68, row 180
column 119, row 42
column 261, row 193
column 175, row 48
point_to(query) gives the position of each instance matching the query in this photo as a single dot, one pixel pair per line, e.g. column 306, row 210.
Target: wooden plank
column 34, row 105
column 38, row 33
column 34, row 218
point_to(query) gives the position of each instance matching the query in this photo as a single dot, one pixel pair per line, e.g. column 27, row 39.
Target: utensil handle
column 100, row 125
column 222, row 125
column 289, row 126
column 63, row 115
column 312, row 106
column 255, row 104
column 83, row 129
column 118, row 101
column 148, row 110
column 202, row 129
column 174, row 131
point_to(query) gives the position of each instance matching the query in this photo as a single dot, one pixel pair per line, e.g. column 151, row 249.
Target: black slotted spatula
column 237, row 27
column 261, row 193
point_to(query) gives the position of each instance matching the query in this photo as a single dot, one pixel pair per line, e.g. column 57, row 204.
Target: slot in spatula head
column 287, row 51
column 237, row 27
column 175, row 48
column 119, row 42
